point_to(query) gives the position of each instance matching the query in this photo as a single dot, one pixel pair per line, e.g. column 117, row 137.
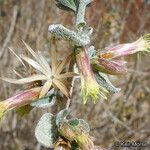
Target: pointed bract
column 51, row 75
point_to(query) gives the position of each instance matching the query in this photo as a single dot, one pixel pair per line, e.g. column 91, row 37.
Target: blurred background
column 126, row 115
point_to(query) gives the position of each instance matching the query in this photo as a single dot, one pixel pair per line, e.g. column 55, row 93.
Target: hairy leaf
column 61, row 116
column 84, row 124
column 68, row 4
column 44, row 102
column 73, row 122
column 46, row 130
column 103, row 80
column 91, row 51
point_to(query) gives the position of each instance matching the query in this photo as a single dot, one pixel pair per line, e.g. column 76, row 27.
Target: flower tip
column 3, row 108
column 147, row 37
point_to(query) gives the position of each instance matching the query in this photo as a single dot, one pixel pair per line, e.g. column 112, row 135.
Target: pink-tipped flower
column 21, row 99
column 142, row 44
column 89, row 86
column 110, row 61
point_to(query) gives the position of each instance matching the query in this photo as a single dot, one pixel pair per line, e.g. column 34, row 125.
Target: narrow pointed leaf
column 45, row 88
column 34, row 64
column 45, row 63
column 66, row 75
column 63, row 64
column 25, row 80
column 36, row 56
column 54, row 61
column 61, row 87
column 17, row 57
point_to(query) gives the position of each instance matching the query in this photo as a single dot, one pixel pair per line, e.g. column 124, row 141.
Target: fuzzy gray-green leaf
column 46, row 130
column 71, row 4
column 73, row 122
column 44, row 102
column 84, row 124
column 62, row 32
column 61, row 116
column 103, row 81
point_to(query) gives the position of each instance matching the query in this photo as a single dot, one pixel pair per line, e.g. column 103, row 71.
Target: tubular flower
column 52, row 76
column 142, row 44
column 89, row 86
column 110, row 60
column 113, row 67
column 21, row 99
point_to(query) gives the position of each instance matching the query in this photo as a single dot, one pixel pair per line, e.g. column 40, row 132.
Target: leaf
column 63, row 64
column 84, row 124
column 73, row 122
column 45, row 102
column 61, row 116
column 91, row 52
column 62, row 87
column 66, row 75
column 44, row 62
column 45, row 88
column 24, row 110
column 39, row 58
column 62, row 32
column 34, row 64
column 25, row 80
column 46, row 130
column 17, row 56
column 103, row 80
column 68, row 4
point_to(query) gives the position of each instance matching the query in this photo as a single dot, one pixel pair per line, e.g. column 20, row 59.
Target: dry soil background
column 126, row 115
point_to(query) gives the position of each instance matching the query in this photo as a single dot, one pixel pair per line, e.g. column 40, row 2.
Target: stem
column 71, row 80
column 71, row 91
